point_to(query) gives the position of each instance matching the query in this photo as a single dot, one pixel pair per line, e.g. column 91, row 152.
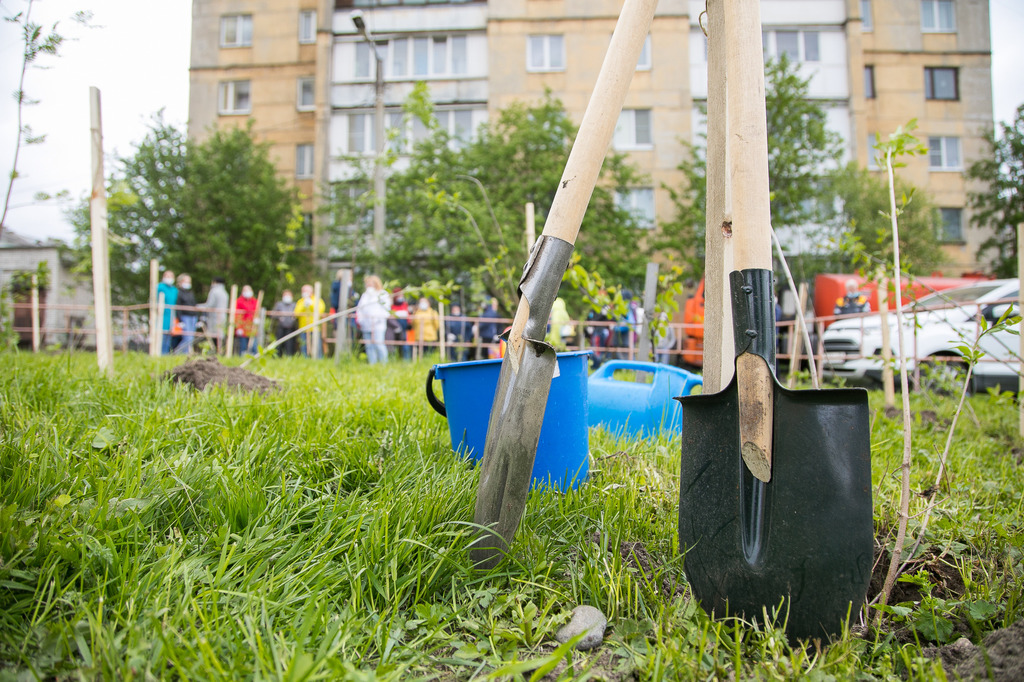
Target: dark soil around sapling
column 1000, row 656
column 204, row 372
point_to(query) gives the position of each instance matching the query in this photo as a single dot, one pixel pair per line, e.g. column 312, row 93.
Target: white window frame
column 307, row 26
column 944, row 235
column 243, row 30
column 870, row 87
column 771, row 45
column 402, row 52
column 867, row 23
column 227, row 98
column 947, row 148
column 367, row 146
column 300, row 105
column 932, row 15
column 546, row 43
column 639, row 202
column 303, row 161
column 626, row 130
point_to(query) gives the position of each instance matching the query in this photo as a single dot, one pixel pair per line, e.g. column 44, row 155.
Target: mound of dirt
column 1000, row 656
column 203, row 372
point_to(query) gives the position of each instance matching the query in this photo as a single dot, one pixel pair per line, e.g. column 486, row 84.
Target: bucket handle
column 431, row 398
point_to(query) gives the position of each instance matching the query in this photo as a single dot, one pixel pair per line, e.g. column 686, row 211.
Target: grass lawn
column 320, row 532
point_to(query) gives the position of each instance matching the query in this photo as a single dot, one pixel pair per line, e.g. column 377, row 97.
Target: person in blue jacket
column 169, row 292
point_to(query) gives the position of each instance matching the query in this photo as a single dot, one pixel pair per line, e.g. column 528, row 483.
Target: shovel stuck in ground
column 775, row 489
column 529, row 363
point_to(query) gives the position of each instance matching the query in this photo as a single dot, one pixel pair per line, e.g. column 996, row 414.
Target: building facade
column 305, row 73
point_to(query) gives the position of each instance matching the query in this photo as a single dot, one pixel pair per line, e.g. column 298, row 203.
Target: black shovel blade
column 805, row 536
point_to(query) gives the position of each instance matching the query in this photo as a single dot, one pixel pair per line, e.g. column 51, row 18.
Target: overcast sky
column 137, row 55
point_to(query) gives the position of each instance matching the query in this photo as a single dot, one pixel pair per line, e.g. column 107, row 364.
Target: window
column 407, row 130
column 633, row 129
column 941, row 83
column 869, row 82
column 362, row 60
column 303, row 161
column 235, row 97
column 307, row 94
column 360, row 134
column 437, row 56
column 639, row 202
column 798, row 46
column 938, row 16
column 236, row 30
column 420, row 56
column 873, row 152
column 952, row 228
column 545, row 53
column 944, row 153
column 644, row 62
column 307, row 26
column 866, row 22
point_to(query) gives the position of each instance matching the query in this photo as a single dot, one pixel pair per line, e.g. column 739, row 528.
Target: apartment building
column 929, row 60
column 306, row 73
column 266, row 61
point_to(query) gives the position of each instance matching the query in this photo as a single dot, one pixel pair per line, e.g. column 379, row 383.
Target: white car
column 934, row 326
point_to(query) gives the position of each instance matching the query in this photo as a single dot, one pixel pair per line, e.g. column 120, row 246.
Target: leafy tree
column 458, row 210
column 863, row 221
column 1000, row 205
column 801, row 153
column 210, row 208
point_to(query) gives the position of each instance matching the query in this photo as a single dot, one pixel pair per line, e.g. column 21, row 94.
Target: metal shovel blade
column 511, row 447
column 806, row 535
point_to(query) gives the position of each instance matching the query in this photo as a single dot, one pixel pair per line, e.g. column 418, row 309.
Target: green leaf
column 103, row 439
column 982, row 610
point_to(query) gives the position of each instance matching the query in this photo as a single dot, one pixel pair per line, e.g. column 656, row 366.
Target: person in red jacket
column 245, row 313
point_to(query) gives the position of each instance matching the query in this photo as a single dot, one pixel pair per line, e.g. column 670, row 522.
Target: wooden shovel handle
column 751, row 236
column 748, row 136
column 595, row 133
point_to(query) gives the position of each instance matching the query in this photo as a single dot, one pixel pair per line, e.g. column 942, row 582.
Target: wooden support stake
column 1020, row 309
column 35, row 313
column 229, row 347
column 161, row 307
column 100, row 250
column 531, row 226
column 315, row 353
column 650, row 297
column 888, row 379
column 440, row 332
column 154, row 324
column 798, row 336
column 341, row 334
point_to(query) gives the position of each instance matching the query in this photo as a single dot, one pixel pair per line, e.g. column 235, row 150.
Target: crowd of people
column 377, row 318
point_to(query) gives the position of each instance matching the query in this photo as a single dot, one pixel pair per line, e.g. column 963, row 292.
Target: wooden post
column 315, row 353
column 229, row 346
column 341, row 333
column 440, row 332
column 261, row 328
column 35, row 313
column 531, row 226
column 1020, row 309
column 798, row 336
column 650, row 297
column 160, row 309
column 718, row 339
column 154, row 325
column 100, row 251
column 888, row 380
column 258, row 316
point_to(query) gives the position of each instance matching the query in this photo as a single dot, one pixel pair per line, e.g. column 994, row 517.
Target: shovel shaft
column 598, row 124
column 748, row 135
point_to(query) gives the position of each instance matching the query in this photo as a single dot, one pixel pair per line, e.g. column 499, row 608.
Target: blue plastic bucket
column 563, row 449
column 636, row 410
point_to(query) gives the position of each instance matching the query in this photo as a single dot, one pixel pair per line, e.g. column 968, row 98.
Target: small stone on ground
column 585, row 619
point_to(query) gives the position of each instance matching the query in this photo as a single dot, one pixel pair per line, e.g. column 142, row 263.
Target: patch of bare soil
column 947, row 583
column 1018, row 455
column 601, row 664
column 635, row 556
column 204, row 372
column 1000, row 656
column 925, row 417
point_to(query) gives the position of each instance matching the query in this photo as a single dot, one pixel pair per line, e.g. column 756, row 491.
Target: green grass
column 321, row 532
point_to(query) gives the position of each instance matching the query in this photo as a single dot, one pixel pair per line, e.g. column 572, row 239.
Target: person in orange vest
column 853, row 302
